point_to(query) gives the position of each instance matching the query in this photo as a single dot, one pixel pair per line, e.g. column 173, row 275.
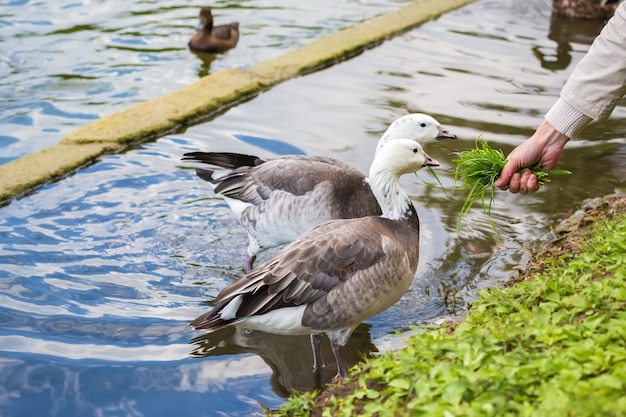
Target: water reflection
column 90, row 388
column 565, row 31
column 101, row 272
column 206, row 59
column 289, row 357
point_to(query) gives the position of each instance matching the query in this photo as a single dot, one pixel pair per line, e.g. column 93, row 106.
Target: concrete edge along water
column 204, row 98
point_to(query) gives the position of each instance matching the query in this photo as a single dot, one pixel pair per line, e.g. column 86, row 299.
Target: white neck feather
column 393, row 200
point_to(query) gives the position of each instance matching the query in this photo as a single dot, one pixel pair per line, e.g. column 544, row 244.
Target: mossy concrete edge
column 211, row 94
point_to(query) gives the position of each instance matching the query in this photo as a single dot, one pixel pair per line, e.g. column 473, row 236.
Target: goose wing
column 296, row 175
column 308, row 269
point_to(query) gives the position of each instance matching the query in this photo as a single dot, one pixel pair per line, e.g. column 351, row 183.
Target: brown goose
column 213, row 39
column 280, row 198
column 338, row 274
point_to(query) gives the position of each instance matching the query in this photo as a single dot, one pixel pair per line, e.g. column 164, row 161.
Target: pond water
column 65, row 63
column 101, row 272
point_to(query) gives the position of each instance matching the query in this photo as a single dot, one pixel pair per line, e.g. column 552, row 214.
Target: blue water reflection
column 101, row 272
column 97, row 285
column 275, row 146
column 91, row 387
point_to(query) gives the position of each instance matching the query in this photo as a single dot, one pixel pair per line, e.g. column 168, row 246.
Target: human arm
column 591, row 93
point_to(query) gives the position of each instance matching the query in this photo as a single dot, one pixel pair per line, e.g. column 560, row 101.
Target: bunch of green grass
column 478, row 168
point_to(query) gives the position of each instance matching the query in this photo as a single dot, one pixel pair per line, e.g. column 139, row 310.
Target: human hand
column 544, row 146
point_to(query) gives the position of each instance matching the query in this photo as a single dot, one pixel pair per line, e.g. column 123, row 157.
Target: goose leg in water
column 342, row 368
column 249, row 263
column 316, row 343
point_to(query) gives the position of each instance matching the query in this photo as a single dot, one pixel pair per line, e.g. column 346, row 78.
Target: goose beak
column 430, row 162
column 444, row 133
column 200, row 26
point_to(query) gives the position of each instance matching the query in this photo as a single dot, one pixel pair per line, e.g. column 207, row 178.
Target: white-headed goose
column 337, row 274
column 278, row 199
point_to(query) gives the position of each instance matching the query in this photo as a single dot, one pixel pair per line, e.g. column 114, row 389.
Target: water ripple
column 126, row 54
column 101, row 272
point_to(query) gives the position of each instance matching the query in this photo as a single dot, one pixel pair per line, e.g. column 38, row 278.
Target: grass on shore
column 554, row 344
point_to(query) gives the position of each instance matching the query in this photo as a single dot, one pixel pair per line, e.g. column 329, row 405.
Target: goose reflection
column 289, row 357
column 565, row 31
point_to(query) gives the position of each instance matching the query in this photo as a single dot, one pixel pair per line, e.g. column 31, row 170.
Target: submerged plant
column 478, row 168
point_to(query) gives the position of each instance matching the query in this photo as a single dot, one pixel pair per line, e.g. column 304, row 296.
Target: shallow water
column 102, row 270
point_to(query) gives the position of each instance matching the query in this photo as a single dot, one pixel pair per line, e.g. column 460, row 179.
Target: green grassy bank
column 551, row 344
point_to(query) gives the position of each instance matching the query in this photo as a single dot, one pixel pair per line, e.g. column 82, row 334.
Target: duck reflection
column 289, row 357
column 207, row 59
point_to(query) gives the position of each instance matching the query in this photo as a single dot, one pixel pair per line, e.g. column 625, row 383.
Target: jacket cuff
column 567, row 119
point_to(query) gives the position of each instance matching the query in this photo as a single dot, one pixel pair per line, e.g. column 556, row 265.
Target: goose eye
column 414, row 150
column 423, row 124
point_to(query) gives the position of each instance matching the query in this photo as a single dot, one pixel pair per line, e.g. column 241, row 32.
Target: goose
column 277, row 199
column 337, row 274
column 213, row 39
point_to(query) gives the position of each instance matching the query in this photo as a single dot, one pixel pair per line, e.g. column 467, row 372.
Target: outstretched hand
column 544, row 146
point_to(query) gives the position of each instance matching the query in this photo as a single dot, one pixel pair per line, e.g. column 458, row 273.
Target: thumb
column 505, row 176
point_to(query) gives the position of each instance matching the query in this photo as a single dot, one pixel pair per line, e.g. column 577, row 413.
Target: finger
column 523, row 183
column 533, row 185
column 514, row 184
column 505, row 176
column 501, row 182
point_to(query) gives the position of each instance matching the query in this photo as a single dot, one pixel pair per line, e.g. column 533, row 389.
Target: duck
column 338, row 274
column 213, row 39
column 585, row 9
column 278, row 199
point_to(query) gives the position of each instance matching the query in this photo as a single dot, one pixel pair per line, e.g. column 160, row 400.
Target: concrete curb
column 204, row 98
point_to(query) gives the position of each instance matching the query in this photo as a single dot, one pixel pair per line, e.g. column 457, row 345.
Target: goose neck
column 393, row 200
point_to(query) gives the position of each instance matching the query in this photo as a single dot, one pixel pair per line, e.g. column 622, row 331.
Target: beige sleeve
column 597, row 83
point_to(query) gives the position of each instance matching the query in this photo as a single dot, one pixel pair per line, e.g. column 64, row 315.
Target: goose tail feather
column 227, row 160
column 207, row 175
column 210, row 322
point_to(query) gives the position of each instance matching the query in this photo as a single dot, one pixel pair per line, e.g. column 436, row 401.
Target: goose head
column 395, row 158
column 399, row 157
column 418, row 127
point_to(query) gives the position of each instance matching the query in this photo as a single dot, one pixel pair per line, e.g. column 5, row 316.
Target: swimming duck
column 213, row 39
column 277, row 199
column 585, row 9
column 337, row 274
